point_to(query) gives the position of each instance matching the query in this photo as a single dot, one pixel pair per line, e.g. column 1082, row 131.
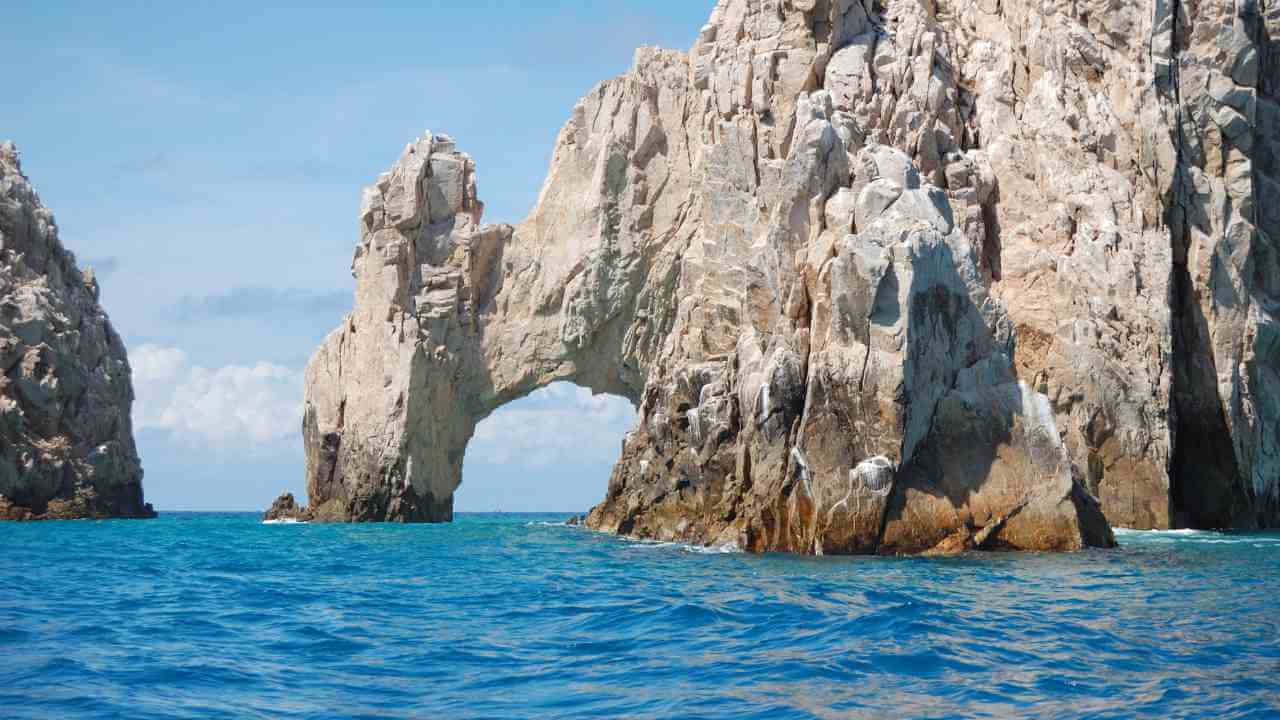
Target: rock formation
column 285, row 509
column 66, row 440
column 895, row 277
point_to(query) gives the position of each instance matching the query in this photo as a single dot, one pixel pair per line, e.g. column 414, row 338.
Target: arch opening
column 551, row 450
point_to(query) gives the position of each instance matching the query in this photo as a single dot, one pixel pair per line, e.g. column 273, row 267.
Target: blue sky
column 207, row 160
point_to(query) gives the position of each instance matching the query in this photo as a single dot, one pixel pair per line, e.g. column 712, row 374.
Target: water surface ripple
column 508, row 616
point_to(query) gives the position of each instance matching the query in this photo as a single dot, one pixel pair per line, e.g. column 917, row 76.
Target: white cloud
column 557, row 425
column 154, row 364
column 248, row 406
column 233, row 405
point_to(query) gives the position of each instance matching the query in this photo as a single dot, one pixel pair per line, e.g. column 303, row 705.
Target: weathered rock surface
column 66, row 440
column 879, row 277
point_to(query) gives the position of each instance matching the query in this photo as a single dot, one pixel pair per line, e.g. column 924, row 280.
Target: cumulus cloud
column 560, row 424
column 234, row 405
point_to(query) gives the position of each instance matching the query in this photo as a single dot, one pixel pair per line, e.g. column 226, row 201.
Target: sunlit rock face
column 879, row 277
column 66, row 441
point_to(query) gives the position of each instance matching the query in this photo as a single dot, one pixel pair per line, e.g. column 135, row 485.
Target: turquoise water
column 508, row 616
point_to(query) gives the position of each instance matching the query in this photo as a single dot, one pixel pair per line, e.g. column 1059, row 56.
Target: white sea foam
column 1157, row 533
column 730, row 548
column 1208, row 537
column 284, row 521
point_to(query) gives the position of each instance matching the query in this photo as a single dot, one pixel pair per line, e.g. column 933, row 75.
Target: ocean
column 519, row 616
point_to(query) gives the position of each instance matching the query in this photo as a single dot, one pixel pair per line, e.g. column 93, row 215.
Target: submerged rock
column 878, row 277
column 66, row 440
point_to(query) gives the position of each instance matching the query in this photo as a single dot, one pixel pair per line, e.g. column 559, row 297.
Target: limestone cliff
column 895, row 276
column 66, row 441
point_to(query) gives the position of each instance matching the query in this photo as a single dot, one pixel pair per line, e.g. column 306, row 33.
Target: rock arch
column 878, row 278
column 549, row 451
column 454, row 318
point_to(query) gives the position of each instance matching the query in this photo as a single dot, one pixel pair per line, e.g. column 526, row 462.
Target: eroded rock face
column 879, row 277
column 66, row 440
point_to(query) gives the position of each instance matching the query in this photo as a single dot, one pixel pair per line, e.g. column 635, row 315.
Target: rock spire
column 66, row 440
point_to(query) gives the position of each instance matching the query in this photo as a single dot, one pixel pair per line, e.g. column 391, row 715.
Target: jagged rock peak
column 888, row 277
column 66, row 440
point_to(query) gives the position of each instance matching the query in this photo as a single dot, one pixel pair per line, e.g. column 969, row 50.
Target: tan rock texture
column 893, row 277
column 66, row 440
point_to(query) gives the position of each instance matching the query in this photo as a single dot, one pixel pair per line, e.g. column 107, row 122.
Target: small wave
column 722, row 549
column 1156, row 533
column 725, row 549
column 1240, row 540
column 284, row 521
column 1209, row 537
column 549, row 523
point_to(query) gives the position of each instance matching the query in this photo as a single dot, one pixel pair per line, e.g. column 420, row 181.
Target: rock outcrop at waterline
column 887, row 277
column 66, row 440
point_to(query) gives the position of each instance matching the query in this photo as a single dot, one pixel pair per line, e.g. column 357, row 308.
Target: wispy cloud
column 146, row 87
column 102, row 266
column 254, row 300
column 243, row 406
column 154, row 164
column 607, row 41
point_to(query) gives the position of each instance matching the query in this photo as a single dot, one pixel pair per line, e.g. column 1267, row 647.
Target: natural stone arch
column 658, row 266
column 454, row 319
column 550, row 451
column 878, row 278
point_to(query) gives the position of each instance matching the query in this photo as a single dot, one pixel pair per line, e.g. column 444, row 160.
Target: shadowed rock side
column 878, row 278
column 66, row 441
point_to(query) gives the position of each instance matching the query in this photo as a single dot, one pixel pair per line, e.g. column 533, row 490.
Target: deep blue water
column 509, row 616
